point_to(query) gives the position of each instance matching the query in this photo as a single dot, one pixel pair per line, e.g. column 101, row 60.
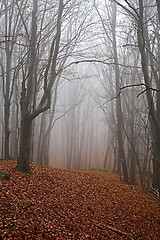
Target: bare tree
column 148, row 51
column 119, row 130
column 10, row 31
column 28, row 114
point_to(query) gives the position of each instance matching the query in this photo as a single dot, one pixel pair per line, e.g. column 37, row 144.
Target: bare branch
column 111, row 99
column 141, row 84
column 94, row 61
column 129, row 86
column 61, row 116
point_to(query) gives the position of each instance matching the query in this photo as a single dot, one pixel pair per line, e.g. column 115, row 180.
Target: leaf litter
column 67, row 204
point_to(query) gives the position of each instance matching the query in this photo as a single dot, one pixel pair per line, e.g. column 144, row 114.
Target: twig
column 111, row 99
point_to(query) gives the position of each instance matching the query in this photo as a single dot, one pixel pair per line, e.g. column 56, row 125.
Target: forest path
column 65, row 204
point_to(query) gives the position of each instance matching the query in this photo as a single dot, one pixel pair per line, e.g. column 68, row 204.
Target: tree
column 119, row 119
column 73, row 35
column 28, row 114
column 49, row 44
column 11, row 26
column 148, row 51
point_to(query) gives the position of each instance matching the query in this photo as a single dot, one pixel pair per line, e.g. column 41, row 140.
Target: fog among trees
column 80, row 85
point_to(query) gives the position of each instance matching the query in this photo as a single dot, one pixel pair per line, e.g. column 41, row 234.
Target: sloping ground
column 60, row 204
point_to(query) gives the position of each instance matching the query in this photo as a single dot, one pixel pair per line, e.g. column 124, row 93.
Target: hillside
column 60, row 204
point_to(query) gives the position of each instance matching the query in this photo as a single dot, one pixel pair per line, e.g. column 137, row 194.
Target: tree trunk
column 7, row 101
column 132, row 167
column 121, row 153
column 158, row 9
column 132, row 148
column 156, row 164
column 7, row 132
column 25, row 142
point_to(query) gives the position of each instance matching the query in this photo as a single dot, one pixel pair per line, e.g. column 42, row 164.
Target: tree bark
column 25, row 145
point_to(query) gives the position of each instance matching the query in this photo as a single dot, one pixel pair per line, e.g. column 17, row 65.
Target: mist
column 80, row 86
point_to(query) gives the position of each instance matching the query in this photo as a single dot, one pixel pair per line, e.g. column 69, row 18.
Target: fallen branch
column 115, row 230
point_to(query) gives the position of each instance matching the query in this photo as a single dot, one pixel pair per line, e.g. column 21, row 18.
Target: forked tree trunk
column 28, row 113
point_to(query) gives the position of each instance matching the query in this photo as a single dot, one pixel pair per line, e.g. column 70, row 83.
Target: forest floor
column 61, row 204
